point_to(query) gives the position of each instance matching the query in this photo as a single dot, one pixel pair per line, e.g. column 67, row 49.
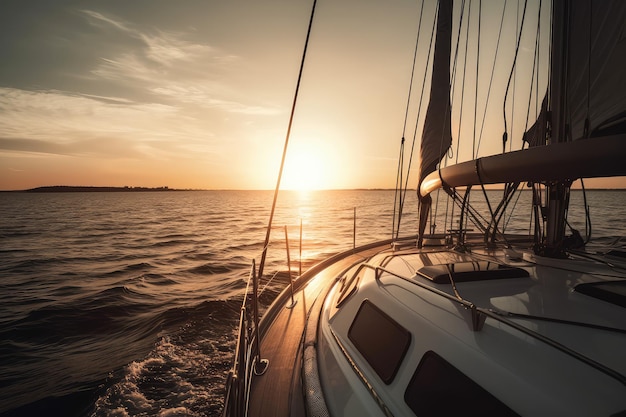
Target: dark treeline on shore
column 84, row 189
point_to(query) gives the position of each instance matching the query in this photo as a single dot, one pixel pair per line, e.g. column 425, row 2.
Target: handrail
column 259, row 365
column 293, row 302
column 237, row 381
column 247, row 359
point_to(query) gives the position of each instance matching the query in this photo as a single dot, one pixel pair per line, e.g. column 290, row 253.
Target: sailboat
column 469, row 320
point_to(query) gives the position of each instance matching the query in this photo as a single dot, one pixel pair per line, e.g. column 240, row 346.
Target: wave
column 194, row 355
column 209, row 269
column 184, row 373
column 135, row 267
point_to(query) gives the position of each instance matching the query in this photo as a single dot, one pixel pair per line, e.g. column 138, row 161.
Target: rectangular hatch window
column 380, row 339
column 439, row 389
column 613, row 292
column 470, row 271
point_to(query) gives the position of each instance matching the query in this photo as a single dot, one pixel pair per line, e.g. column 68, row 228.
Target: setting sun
column 305, row 169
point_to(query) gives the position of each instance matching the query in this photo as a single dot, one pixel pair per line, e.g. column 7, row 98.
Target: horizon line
column 126, row 188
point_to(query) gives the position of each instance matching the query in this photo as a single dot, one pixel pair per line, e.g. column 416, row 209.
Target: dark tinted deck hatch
column 470, row 271
column 617, row 253
column 380, row 339
column 439, row 389
column 613, row 292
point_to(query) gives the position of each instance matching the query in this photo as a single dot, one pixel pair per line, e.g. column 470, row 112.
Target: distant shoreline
column 92, row 189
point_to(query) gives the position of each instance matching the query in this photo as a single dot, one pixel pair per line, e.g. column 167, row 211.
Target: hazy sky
column 197, row 93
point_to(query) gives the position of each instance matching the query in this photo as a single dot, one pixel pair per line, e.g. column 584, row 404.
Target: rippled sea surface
column 125, row 303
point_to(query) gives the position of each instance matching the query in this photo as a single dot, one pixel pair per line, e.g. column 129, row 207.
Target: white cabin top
column 515, row 334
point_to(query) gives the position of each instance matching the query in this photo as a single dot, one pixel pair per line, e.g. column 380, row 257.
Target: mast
column 586, row 97
column 557, row 192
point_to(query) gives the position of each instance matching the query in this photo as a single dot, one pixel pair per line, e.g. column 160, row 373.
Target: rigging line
column 462, row 215
column 506, row 94
column 493, row 71
column 518, row 32
column 509, row 191
column 598, row 258
column 587, row 213
column 449, row 212
column 557, row 320
column 467, row 210
column 282, row 162
column 537, row 60
column 454, row 67
column 452, row 87
column 586, row 131
column 532, row 77
column 469, row 19
column 422, row 92
column 402, row 193
column 535, row 213
column 480, row 8
column 408, row 100
column 549, row 65
column 508, row 220
column 433, row 222
column 491, row 213
column 397, row 197
column 419, row 107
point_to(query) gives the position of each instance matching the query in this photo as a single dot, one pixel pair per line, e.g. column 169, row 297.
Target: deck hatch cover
column 440, row 389
column 613, row 292
column 470, row 271
column 380, row 339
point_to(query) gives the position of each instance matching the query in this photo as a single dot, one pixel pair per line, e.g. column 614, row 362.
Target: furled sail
column 589, row 54
column 588, row 69
column 437, row 134
column 586, row 99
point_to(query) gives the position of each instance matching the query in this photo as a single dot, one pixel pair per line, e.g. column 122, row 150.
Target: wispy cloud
column 174, row 69
column 98, row 19
column 202, row 95
column 169, row 49
column 56, row 122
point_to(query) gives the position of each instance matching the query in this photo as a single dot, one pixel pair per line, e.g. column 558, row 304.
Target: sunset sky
column 197, row 93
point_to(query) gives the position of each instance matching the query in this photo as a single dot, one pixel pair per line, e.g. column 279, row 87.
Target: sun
column 305, row 169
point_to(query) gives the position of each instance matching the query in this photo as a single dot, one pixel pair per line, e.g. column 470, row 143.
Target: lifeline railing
column 247, row 360
column 247, row 353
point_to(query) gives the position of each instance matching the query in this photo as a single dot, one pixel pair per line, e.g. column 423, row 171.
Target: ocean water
column 125, row 304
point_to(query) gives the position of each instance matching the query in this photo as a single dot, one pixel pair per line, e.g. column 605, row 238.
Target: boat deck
column 278, row 392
